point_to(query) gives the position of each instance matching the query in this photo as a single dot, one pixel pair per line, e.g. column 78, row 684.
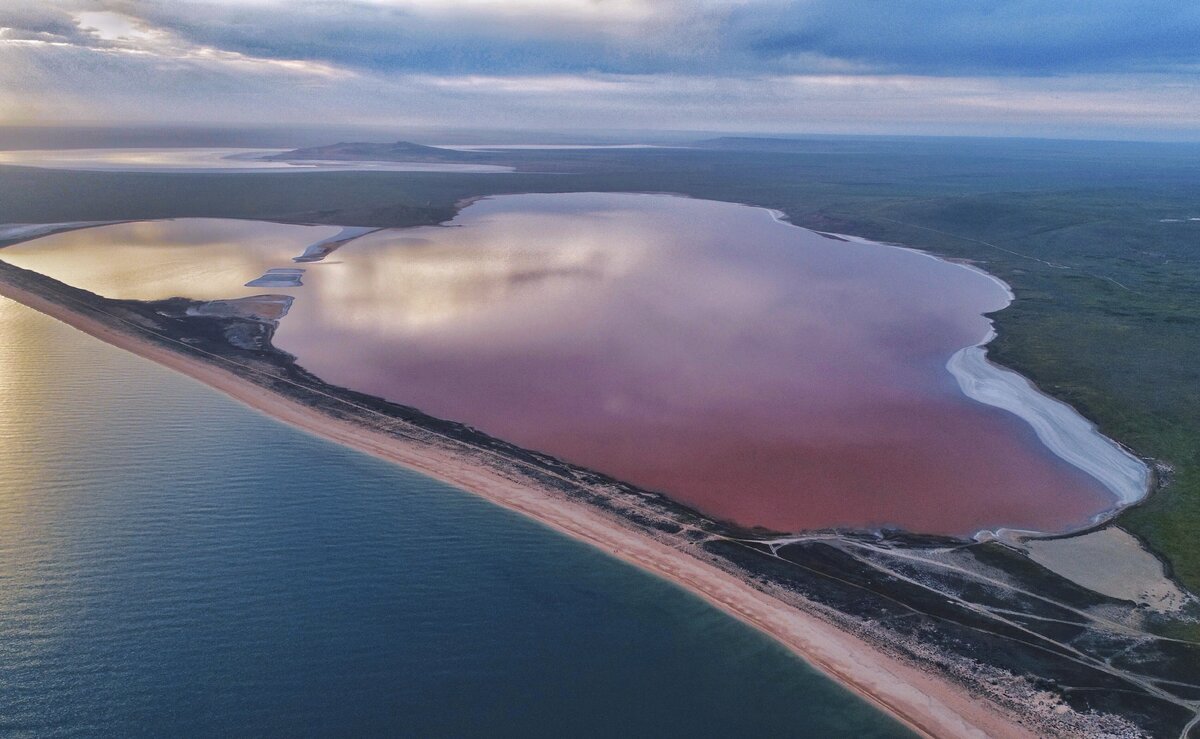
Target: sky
column 1120, row 69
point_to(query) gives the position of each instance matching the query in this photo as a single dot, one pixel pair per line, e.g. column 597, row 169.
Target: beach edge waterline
column 928, row 704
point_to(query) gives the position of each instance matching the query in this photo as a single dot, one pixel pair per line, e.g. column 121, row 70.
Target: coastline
column 927, row 703
column 951, row 636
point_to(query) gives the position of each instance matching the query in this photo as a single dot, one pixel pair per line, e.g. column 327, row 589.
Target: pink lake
column 759, row 372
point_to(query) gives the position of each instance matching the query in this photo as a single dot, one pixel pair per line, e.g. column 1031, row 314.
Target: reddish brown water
column 757, row 371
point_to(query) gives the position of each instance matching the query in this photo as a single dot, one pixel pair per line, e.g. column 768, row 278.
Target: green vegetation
column 1107, row 315
column 1111, row 325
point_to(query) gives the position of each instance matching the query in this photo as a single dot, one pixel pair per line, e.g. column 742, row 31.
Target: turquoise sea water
column 172, row 563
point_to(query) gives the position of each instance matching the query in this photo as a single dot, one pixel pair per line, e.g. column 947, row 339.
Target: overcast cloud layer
column 1112, row 68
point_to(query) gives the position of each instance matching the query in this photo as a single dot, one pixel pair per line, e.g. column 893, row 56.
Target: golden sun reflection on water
column 35, row 437
column 22, row 355
column 151, row 260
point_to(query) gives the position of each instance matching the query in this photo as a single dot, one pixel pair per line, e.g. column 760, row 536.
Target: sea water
column 175, row 564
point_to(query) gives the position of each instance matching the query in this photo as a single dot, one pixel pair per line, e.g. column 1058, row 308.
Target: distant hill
column 400, row 151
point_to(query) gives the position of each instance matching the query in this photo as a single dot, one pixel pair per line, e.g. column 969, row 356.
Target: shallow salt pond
column 760, row 372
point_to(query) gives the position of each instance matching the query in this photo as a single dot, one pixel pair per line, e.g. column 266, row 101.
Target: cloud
column 411, row 37
column 44, row 24
column 698, row 36
column 985, row 66
column 980, row 36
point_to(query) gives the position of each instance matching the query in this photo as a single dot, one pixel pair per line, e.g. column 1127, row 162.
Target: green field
column 1107, row 315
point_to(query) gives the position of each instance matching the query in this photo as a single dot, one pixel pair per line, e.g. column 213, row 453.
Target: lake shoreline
column 855, row 604
column 702, row 467
column 1060, row 428
column 929, row 704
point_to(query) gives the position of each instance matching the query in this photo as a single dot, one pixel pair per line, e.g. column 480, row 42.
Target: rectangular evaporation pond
column 279, row 277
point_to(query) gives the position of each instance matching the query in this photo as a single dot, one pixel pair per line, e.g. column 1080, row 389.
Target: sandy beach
column 928, row 703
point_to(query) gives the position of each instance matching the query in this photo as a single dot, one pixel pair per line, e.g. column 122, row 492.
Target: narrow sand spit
column 318, row 251
column 26, row 231
column 929, row 704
